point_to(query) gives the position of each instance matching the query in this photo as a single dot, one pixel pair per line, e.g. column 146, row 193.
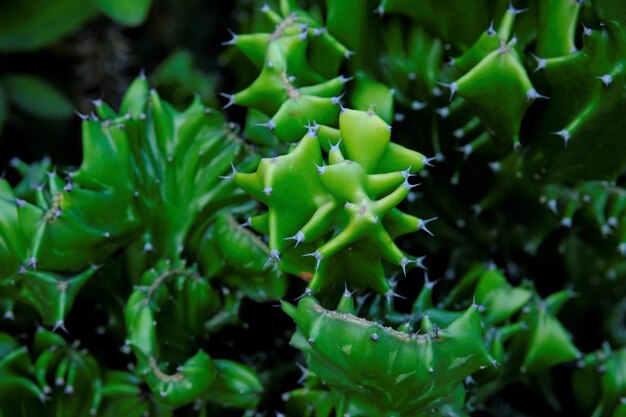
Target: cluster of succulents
column 196, row 257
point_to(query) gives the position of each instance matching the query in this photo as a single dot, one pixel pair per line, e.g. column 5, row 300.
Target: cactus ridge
column 385, row 370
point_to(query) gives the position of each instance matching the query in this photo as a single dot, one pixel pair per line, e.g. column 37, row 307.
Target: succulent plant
column 174, row 249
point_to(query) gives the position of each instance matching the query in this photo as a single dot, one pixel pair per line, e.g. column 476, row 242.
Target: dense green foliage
column 399, row 211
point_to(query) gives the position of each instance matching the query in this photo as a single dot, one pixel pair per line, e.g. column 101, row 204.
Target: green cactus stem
column 387, row 372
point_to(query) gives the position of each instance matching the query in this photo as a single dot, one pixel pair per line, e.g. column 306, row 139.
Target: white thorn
column 495, row 166
column 60, row 325
column 407, row 172
column 564, row 134
column 606, row 79
column 306, row 293
column 418, row 105
column 231, row 175
column 346, row 292
column 427, row 283
column 541, row 62
column 318, row 256
column 83, row 117
column 267, row 190
column 443, row 112
column 532, row 94
column 298, row 237
column 406, row 261
column 334, row 147
column 409, row 186
column 232, row 40
column 320, row 168
column 421, row 225
column 270, row 124
column 552, row 206
column 515, row 11
column 466, row 150
column 586, row 31
column 312, row 129
column 454, row 87
column 345, row 79
column 426, row 160
column 317, row 32
column 274, row 257
column 337, row 100
column 231, row 100
column 491, row 32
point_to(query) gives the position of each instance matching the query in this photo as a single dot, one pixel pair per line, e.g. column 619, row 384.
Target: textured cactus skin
column 90, row 207
column 355, row 192
column 386, row 372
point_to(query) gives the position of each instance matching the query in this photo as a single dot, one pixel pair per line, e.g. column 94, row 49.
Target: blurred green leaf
column 179, row 79
column 32, row 24
column 125, row 12
column 37, row 97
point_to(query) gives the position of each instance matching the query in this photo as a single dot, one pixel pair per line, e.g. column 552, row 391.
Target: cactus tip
column 231, row 100
column 307, row 292
column 532, row 94
column 606, row 79
column 298, row 237
column 232, row 173
column 337, row 99
column 421, row 224
column 318, row 257
column 320, row 168
column 82, row 116
column 515, row 11
column 334, row 147
column 454, row 87
column 232, row 40
column 491, row 32
column 343, row 79
column 443, row 112
column 60, row 324
column 541, row 62
column 564, row 133
column 270, row 124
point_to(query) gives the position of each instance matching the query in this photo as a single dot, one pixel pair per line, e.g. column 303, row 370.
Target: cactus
column 386, row 372
column 354, row 191
column 164, row 247
column 44, row 233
